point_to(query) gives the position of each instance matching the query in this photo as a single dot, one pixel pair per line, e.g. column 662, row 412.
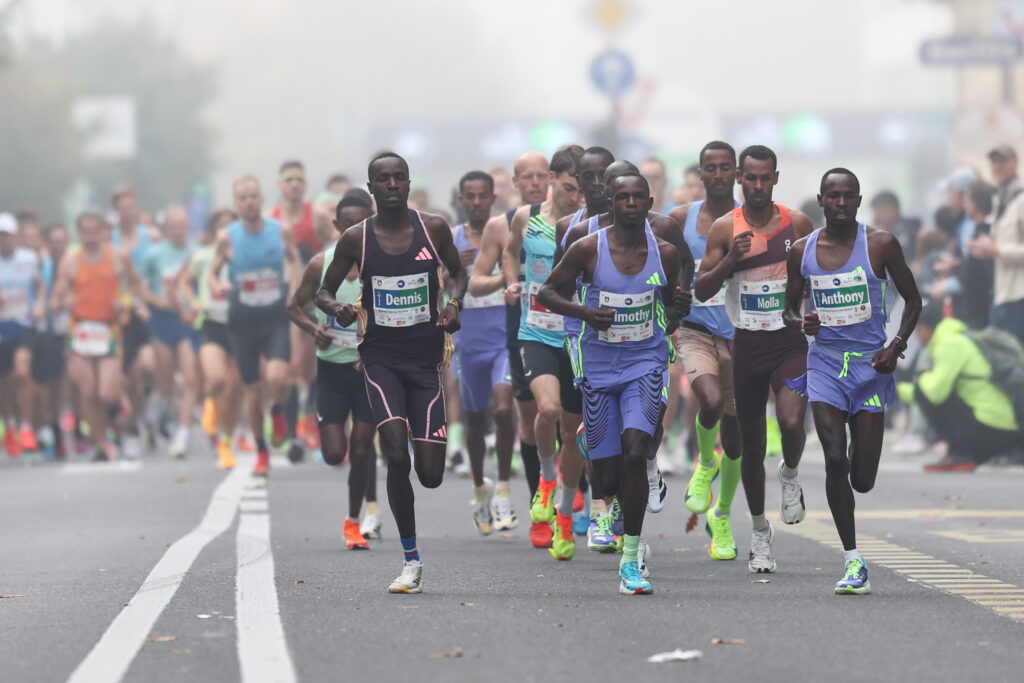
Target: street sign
column 960, row 51
column 612, row 73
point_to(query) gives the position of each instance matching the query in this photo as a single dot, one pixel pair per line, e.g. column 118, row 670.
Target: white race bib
column 717, row 300
column 539, row 316
column 345, row 337
column 217, row 306
column 495, row 298
column 14, row 304
column 60, row 323
column 259, row 288
column 91, row 338
column 401, row 301
column 634, row 316
column 841, row 299
column 761, row 304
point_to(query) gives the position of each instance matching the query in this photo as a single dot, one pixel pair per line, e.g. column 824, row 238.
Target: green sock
column 730, row 474
column 454, row 436
column 706, row 439
column 629, row 546
column 773, row 436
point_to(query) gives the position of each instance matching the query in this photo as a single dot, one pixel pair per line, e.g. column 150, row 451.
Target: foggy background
column 179, row 97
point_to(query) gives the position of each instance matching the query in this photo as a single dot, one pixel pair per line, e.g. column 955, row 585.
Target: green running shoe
column 698, row 491
column 542, row 509
column 563, row 545
column 723, row 545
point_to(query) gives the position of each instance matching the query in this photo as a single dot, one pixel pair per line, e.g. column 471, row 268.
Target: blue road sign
column 612, row 72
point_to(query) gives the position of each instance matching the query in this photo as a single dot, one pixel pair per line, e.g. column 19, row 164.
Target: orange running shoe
column 312, row 433
column 209, row 421
column 12, row 444
column 541, row 534
column 578, row 502
column 242, row 443
column 262, row 467
column 28, row 440
column 279, row 434
column 225, row 455
column 353, row 539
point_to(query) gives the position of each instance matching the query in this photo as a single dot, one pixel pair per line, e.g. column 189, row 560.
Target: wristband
column 900, row 345
column 457, row 302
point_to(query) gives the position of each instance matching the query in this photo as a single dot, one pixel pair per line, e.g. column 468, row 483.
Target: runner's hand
column 467, row 256
column 345, row 314
column 599, row 318
column 323, row 340
column 512, row 294
column 811, row 324
column 885, row 360
column 741, row 244
column 449, row 319
column 682, row 299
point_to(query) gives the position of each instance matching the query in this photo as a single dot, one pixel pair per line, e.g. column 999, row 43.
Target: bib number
column 217, row 306
column 539, row 316
column 259, row 288
column 717, row 300
column 761, row 304
column 841, row 299
column 91, row 338
column 634, row 317
column 344, row 337
column 14, row 305
column 401, row 301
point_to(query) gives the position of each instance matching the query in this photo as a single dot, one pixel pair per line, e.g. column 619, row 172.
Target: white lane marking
column 100, row 467
column 110, row 658
column 262, row 649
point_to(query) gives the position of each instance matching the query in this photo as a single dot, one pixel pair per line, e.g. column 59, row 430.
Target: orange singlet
column 96, row 287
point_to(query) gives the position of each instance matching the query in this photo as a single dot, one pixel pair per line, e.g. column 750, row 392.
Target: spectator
column 505, row 194
column 886, row 209
column 339, row 184
column 957, row 396
column 1005, row 245
column 976, row 273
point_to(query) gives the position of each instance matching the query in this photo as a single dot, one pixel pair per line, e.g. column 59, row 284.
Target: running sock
column 760, row 522
column 598, row 508
column 568, row 496
column 852, row 555
column 501, row 490
column 371, row 508
column 730, row 474
column 454, row 436
column 547, row 468
column 409, row 546
column 629, row 546
column 261, row 444
column 291, row 411
column 531, row 464
column 788, row 472
column 354, row 520
column 652, row 465
column 480, row 492
column 706, row 439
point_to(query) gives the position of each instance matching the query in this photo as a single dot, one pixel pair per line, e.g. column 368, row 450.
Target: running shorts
column 400, row 390
column 845, row 381
column 609, row 411
column 479, row 372
column 542, row 359
column 249, row 342
column 763, row 361
column 340, row 391
column 703, row 353
column 48, row 360
column 213, row 332
column 166, row 327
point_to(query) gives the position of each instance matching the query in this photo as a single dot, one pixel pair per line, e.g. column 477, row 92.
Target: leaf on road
column 761, row 581
column 301, row 581
column 677, row 655
column 691, row 523
column 456, row 653
column 466, row 604
column 12, row 595
column 161, row 639
column 728, row 641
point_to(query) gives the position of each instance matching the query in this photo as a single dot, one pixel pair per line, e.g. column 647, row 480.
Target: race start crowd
column 331, row 325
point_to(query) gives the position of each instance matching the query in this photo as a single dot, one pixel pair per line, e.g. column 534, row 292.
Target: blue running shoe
column 631, row 582
column 580, row 522
column 616, row 515
column 856, row 580
column 600, row 538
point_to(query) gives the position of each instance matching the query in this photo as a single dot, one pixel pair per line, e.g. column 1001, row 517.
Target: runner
column 258, row 252
column 747, row 250
column 545, row 359
column 849, row 366
column 89, row 287
column 481, row 361
column 531, row 182
column 628, row 273
column 197, row 306
column 406, row 340
column 22, row 307
column 49, row 365
column 341, row 389
column 704, row 342
column 173, row 341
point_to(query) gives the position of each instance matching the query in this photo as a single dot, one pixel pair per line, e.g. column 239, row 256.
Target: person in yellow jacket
column 958, row 397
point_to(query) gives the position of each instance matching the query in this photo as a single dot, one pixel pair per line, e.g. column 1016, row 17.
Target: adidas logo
column 655, row 280
column 874, row 402
column 441, row 433
column 424, row 255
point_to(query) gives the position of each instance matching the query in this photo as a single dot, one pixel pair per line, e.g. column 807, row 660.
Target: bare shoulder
column 680, row 213
column 883, row 241
column 663, row 225
column 351, row 241
column 802, row 225
column 722, row 227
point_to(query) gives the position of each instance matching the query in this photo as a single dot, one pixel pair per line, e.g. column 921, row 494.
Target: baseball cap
column 8, row 223
column 1002, row 151
column 959, row 179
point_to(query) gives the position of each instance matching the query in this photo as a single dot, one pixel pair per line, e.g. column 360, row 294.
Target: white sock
column 852, row 554
column 788, row 472
column 652, row 465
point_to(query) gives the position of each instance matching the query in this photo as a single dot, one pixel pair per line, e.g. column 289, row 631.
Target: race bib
column 60, row 323
column 761, row 304
column 717, row 300
column 841, row 299
column 345, row 337
column 539, row 316
column 14, row 305
column 495, row 298
column 91, row 338
column 401, row 301
column 217, row 306
column 259, row 288
column 634, row 317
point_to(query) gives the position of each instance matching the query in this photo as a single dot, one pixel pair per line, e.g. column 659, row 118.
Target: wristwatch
column 901, row 345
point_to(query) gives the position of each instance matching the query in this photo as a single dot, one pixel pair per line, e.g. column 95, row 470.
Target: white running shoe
column 132, row 446
column 410, row 580
column 793, row 510
column 482, row 510
column 370, row 528
column 643, row 553
column 761, row 560
column 502, row 513
column 657, row 492
column 179, row 444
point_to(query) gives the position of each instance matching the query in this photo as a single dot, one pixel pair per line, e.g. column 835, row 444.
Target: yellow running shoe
column 563, row 545
column 225, row 455
column 723, row 545
column 698, row 491
column 209, row 421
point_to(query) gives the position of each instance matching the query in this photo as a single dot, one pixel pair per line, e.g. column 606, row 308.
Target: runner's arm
column 667, row 228
column 347, row 253
column 720, row 256
column 184, row 297
column 510, row 256
column 672, row 261
column 492, row 242
column 563, row 278
column 795, row 285
column 221, row 257
column 301, row 300
column 561, row 227
column 441, row 235
column 896, row 265
column 61, row 299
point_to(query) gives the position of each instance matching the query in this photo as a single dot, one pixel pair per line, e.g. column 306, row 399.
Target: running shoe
column 209, row 420
column 563, row 545
column 410, row 580
column 723, row 545
column 29, row 443
column 296, row 451
column 353, row 539
column 541, row 534
column 578, row 501
column 279, row 429
column 581, row 522
column 311, row 438
column 698, row 494
column 793, row 510
column 616, row 515
column 12, row 444
column 482, row 510
column 600, row 538
column 370, row 528
column 542, row 509
column 262, row 466
column 502, row 513
column 179, row 445
column 761, row 560
column 132, row 445
column 657, row 491
column 100, row 455
column 632, row 582
column 643, row 553
column 855, row 582
column 225, row 456
column 244, row 444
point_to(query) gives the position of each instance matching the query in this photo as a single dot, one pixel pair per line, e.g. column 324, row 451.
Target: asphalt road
column 946, row 555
